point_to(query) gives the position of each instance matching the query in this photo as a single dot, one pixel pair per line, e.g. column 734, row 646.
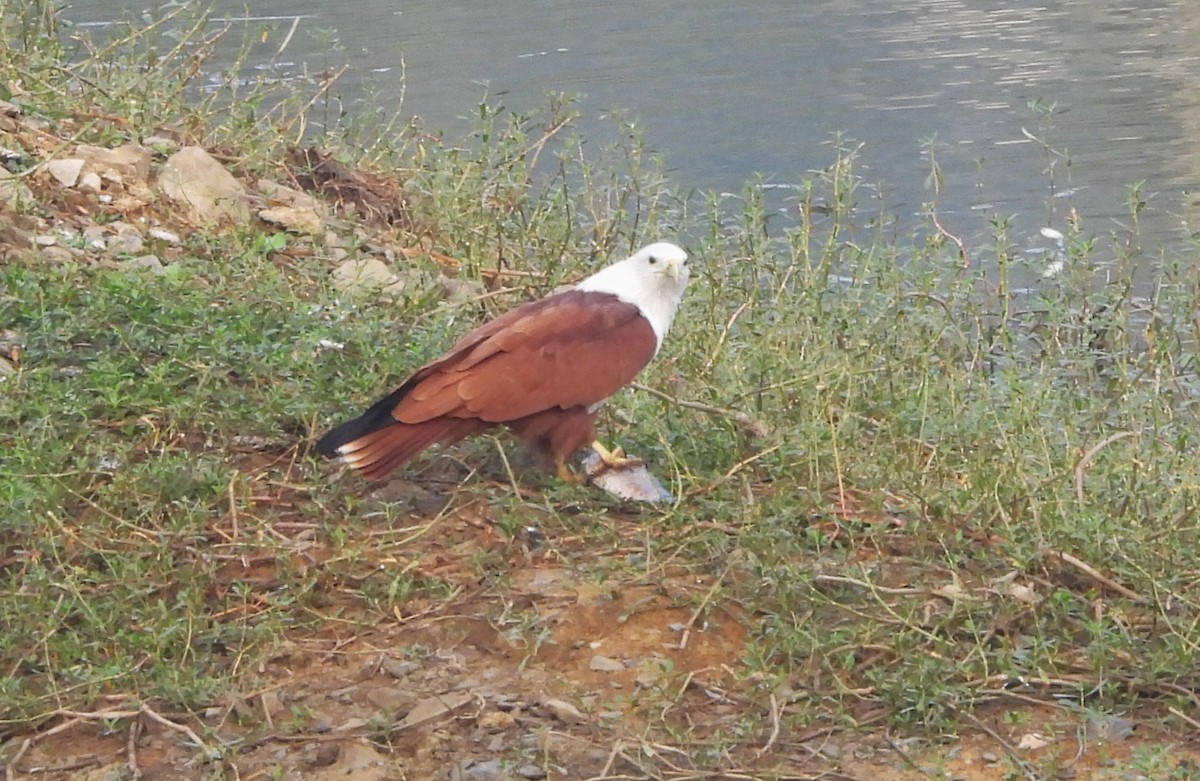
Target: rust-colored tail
column 375, row 443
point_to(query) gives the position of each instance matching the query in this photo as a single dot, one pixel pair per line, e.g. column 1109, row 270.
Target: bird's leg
column 566, row 475
column 615, row 458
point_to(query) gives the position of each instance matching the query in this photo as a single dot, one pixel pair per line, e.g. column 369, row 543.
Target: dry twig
column 746, row 424
column 1025, row 768
column 1084, row 461
column 74, row 717
column 774, row 727
column 687, row 631
column 1097, row 576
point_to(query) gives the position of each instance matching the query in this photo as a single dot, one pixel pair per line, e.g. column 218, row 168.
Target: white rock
column 128, row 161
column 193, row 178
column 161, row 142
column 1031, row 741
column 367, row 275
column 90, row 181
column 67, row 170
column 287, row 196
column 162, row 234
column 293, row 218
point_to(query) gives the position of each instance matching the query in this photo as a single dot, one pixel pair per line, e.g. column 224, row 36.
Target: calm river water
column 725, row 90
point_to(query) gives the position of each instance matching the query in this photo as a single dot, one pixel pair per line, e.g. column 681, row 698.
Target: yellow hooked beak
column 672, row 270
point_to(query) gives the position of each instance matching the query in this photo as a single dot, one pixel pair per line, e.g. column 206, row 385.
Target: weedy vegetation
column 923, row 482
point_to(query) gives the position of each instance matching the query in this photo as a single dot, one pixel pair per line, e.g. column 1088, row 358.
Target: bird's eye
column 652, row 260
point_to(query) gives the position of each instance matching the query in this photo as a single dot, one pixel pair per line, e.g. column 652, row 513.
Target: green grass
column 936, row 437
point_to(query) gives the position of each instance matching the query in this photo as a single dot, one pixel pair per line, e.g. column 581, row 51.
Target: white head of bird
column 652, row 279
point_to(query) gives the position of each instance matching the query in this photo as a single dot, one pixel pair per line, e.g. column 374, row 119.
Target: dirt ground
column 543, row 673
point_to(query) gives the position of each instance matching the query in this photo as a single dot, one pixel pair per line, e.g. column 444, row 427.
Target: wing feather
column 573, row 349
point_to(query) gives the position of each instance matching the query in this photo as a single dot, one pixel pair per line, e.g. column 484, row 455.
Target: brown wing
column 574, row 349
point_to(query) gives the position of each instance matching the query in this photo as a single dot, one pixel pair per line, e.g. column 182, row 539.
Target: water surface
column 728, row 90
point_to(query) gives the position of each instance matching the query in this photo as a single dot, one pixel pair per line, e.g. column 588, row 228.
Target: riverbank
column 935, row 510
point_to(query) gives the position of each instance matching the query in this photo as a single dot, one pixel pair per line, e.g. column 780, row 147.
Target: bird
column 543, row 370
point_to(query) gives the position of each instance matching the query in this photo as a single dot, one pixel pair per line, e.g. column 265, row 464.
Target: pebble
column 564, row 711
column 605, row 664
column 488, row 770
column 65, row 171
column 162, row 234
column 532, row 772
column 126, row 243
column 163, row 142
column 392, row 701
column 58, row 254
column 326, row 754
column 143, row 263
column 397, row 668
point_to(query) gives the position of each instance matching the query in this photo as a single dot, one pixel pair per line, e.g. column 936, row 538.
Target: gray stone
column 60, row 254
column 487, row 770
column 358, row 762
column 397, row 668
column 433, row 709
column 391, row 701
column 149, row 263
column 128, row 243
column 564, row 711
column 605, row 664
column 90, row 181
column 93, row 236
column 459, row 290
column 1110, row 728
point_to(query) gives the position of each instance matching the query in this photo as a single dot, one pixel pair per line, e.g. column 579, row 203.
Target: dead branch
column 1096, row 575
column 1086, row 460
column 74, row 718
column 746, row 424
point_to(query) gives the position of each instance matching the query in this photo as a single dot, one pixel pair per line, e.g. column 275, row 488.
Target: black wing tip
column 333, row 439
column 377, row 416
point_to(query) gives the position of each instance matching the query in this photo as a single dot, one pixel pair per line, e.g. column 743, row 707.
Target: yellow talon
column 567, row 476
column 615, row 458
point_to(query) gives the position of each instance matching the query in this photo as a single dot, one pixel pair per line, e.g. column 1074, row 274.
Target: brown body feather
column 542, row 369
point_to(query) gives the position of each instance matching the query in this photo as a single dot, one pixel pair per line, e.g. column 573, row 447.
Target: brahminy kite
column 543, row 370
